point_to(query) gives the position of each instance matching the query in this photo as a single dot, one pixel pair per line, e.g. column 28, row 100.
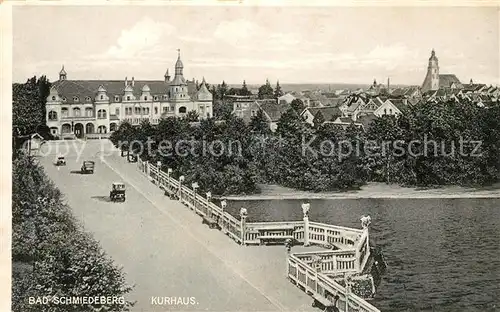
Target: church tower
column 431, row 81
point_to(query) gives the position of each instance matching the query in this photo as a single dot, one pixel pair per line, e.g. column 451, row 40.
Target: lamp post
column 223, row 205
column 209, row 210
column 194, row 185
column 181, row 179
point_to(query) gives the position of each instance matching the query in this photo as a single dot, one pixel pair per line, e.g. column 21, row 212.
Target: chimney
column 133, row 82
column 126, row 82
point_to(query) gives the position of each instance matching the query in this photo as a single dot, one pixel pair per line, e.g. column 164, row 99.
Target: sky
column 231, row 43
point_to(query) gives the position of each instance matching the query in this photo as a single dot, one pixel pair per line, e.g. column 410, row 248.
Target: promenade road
column 163, row 247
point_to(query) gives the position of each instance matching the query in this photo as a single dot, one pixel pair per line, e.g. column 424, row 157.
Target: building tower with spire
column 62, row 74
column 167, row 76
column 431, row 81
column 178, row 86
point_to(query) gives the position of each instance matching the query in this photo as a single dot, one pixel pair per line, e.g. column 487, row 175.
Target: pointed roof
column 62, row 72
column 179, row 64
column 101, row 89
column 167, row 74
column 433, row 55
column 204, row 94
column 146, row 88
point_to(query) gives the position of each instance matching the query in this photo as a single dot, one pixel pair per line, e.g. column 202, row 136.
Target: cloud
column 144, row 38
column 244, row 34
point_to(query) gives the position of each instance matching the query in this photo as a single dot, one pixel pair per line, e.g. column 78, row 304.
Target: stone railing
column 310, row 278
column 315, row 272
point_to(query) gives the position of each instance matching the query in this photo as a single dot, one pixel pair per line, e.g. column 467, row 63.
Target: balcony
column 77, row 117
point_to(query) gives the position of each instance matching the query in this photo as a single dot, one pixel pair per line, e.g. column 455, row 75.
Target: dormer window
column 102, row 97
column 145, row 98
column 128, row 98
column 117, row 98
column 156, row 98
column 53, row 98
column 75, row 99
column 87, row 99
column 165, row 97
column 64, row 99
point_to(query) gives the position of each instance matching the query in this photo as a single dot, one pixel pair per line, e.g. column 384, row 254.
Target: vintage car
column 88, row 166
column 117, row 192
column 60, row 161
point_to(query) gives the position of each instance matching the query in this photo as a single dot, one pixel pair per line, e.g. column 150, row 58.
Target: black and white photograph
column 241, row 156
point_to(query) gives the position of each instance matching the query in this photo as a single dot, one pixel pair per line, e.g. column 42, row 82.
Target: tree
column 259, row 123
column 298, row 105
column 29, row 106
column 244, row 90
column 278, row 92
column 319, row 119
column 192, row 116
column 266, row 91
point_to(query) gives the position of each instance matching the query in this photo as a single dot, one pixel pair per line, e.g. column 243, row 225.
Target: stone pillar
column 209, row 209
column 194, row 185
column 146, row 165
column 365, row 223
column 158, row 178
column 169, row 172
column 305, row 211
column 223, row 205
column 243, row 221
column 181, row 179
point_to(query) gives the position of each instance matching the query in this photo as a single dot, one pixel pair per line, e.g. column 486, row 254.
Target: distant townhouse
column 328, row 113
column 272, row 111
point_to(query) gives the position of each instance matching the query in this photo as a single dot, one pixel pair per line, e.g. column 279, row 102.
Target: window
column 147, row 110
column 89, row 112
column 64, row 99
column 52, row 115
column 76, row 112
column 117, row 98
column 75, row 99
column 156, row 110
column 64, row 112
column 102, row 97
column 53, row 98
column 165, row 109
column 137, row 110
column 87, row 99
column 385, row 111
column 128, row 98
column 182, row 109
column 145, row 98
column 101, row 114
column 390, row 111
column 165, row 97
column 156, row 98
column 144, row 110
column 254, row 113
column 117, row 112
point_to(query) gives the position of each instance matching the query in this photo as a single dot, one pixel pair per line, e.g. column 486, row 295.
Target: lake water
column 442, row 254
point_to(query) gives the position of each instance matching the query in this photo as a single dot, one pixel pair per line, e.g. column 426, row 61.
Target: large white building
column 82, row 107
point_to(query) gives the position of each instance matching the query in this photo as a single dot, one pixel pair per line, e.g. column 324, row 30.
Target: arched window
column 101, row 114
column 385, row 111
column 117, row 98
column 182, row 110
column 145, row 98
column 128, row 98
column 390, row 111
column 76, row 112
column 156, row 110
column 64, row 112
column 101, row 129
column 53, row 98
column 52, row 115
column 102, row 97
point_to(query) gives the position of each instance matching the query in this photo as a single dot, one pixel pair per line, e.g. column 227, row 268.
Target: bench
column 265, row 239
column 210, row 222
column 322, row 301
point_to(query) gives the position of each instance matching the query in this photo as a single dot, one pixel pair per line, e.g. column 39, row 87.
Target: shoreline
column 373, row 190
